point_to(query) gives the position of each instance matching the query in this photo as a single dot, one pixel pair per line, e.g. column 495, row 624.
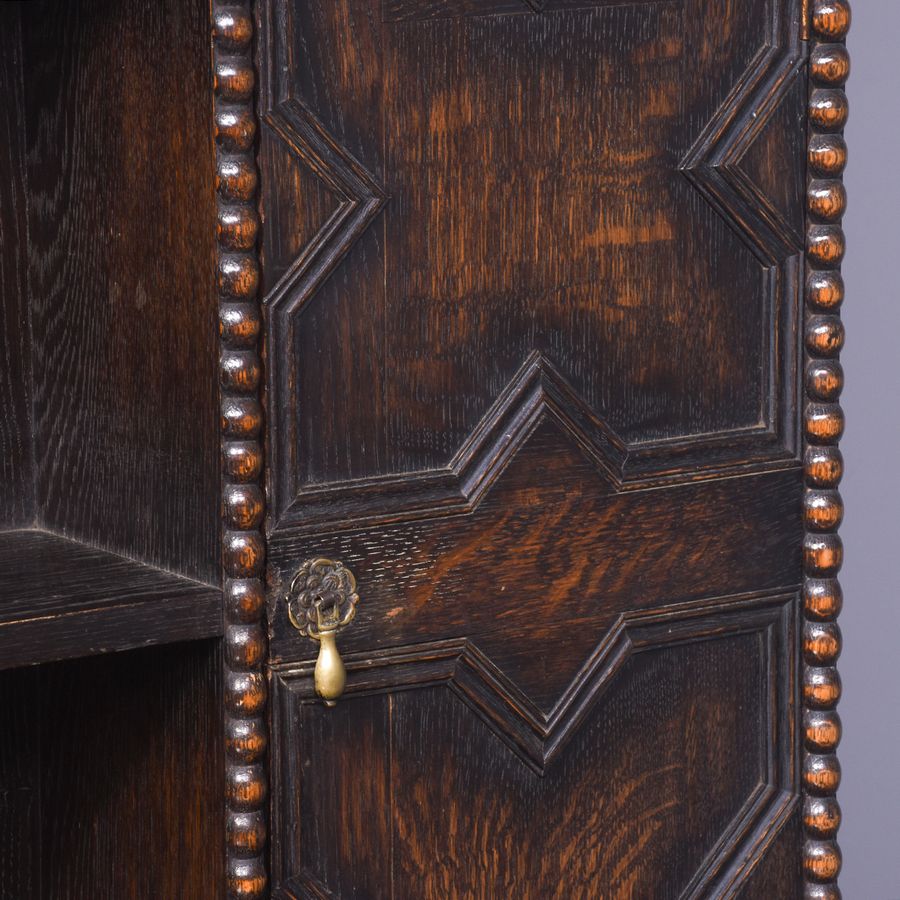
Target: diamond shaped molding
column 360, row 196
column 713, row 164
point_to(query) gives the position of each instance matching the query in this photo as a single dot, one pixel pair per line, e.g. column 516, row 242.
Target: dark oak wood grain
column 60, row 599
column 378, row 820
column 490, row 205
column 20, row 772
column 110, row 777
column 777, row 874
column 108, row 435
column 528, row 314
column 531, row 280
column 16, row 444
column 540, row 573
column 121, row 223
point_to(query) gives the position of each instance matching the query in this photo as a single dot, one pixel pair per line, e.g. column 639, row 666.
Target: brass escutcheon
column 321, row 600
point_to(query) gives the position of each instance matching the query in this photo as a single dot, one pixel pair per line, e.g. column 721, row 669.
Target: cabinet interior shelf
column 61, row 599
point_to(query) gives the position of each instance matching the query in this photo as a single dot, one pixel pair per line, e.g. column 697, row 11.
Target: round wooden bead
column 235, row 127
column 821, row 860
column 824, row 335
column 821, row 817
column 823, row 466
column 823, row 510
column 239, row 324
column 237, row 227
column 821, row 730
column 824, row 380
column 827, row 154
column 824, row 423
column 821, row 773
column 826, row 199
column 822, row 598
column 825, row 245
column 234, row 78
column 245, row 787
column 239, row 370
column 821, row 643
column 245, row 693
column 828, row 109
column 245, row 598
column 821, row 687
column 233, row 29
column 242, row 460
column 245, row 740
column 813, row 891
column 823, row 555
column 243, row 553
column 829, row 64
column 831, row 19
column 238, row 275
column 245, row 646
column 246, row 879
column 825, row 291
column 241, row 417
column 236, row 178
column 246, row 833
column 244, row 505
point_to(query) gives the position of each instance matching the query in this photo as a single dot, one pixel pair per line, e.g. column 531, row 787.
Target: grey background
column 870, row 751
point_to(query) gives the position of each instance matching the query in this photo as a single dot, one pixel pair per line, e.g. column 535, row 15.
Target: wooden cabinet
column 527, row 391
column 110, row 768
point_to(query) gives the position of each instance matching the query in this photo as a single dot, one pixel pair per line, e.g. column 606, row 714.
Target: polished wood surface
column 503, row 211
column 243, row 501
column 532, row 282
column 823, row 419
column 525, row 311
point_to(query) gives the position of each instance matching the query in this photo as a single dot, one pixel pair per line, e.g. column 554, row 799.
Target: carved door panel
column 532, row 277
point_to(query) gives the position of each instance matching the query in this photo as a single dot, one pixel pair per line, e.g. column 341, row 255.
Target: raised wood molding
column 243, row 552
column 712, row 166
column 823, row 421
column 537, row 739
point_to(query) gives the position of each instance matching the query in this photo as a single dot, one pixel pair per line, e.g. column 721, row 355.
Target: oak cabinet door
column 533, row 278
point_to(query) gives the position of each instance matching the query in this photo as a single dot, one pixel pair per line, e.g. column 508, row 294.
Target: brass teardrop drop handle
column 321, row 600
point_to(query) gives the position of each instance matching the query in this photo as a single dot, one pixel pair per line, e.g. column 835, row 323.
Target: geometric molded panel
column 538, row 737
column 728, row 856
column 359, row 394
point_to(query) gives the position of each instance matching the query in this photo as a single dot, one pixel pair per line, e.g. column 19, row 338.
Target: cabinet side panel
column 121, row 227
column 16, row 450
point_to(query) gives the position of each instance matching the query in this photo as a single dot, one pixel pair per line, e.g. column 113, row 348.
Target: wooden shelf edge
column 60, row 599
column 110, row 628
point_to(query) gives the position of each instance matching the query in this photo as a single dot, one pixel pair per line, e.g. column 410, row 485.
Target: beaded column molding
column 824, row 423
column 243, row 551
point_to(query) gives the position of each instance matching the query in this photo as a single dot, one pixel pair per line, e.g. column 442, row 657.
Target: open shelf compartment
column 109, row 423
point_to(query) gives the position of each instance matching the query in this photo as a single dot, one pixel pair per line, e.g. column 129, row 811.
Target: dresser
column 418, row 448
